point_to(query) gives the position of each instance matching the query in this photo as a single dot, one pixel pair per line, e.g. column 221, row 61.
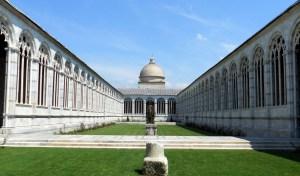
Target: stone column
column 144, row 107
column 166, row 107
column 133, row 106
column 268, row 86
column 289, row 81
column 33, row 87
column 155, row 107
column 11, row 84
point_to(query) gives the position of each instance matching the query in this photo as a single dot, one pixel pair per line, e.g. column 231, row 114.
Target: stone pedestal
column 155, row 162
column 151, row 129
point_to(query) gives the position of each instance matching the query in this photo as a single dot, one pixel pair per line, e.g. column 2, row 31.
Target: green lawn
column 136, row 129
column 112, row 162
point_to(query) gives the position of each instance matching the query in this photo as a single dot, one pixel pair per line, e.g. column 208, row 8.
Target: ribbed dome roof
column 152, row 73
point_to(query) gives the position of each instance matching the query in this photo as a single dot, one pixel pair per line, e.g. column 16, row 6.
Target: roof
column 153, row 92
column 243, row 44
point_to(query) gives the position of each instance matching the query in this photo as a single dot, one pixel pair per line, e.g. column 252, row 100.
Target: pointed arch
column 26, row 49
column 57, row 66
column 234, row 86
column 259, row 77
column 278, row 70
column 244, row 70
column 225, row 88
column 43, row 61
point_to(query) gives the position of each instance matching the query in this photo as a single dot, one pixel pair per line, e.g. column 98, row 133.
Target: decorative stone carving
column 155, row 162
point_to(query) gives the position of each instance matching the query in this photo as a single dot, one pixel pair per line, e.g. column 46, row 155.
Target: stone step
column 168, row 145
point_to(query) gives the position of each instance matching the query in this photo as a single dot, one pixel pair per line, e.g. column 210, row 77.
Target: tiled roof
column 145, row 91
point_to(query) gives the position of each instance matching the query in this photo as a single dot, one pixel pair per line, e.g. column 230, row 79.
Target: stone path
column 139, row 142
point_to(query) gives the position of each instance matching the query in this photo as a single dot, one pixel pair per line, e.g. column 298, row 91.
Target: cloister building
column 151, row 91
column 255, row 89
column 45, row 86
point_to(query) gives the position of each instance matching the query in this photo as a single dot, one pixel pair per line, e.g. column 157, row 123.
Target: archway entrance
column 3, row 45
column 150, row 111
column 297, row 57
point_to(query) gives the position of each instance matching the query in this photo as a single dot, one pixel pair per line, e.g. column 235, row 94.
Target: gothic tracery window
column 234, row 86
column 259, row 77
column 245, row 83
column 42, row 75
column 24, row 67
column 211, row 94
column 278, row 71
column 66, row 85
column 225, row 89
column 218, row 91
column 56, row 75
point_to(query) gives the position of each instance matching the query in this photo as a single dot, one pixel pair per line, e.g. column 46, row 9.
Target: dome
column 152, row 73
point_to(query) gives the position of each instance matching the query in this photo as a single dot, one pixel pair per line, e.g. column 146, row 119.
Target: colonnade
column 138, row 106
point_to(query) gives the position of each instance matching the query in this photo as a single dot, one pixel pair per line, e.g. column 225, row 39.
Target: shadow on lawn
column 139, row 171
column 197, row 130
column 287, row 154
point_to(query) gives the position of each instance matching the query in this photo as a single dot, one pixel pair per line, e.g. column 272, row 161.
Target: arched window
column 278, row 71
column 225, row 89
column 203, row 98
column 82, row 87
column 161, row 106
column 171, row 106
column 55, row 84
column 259, row 77
column 245, row 83
column 206, row 95
column 24, row 67
column 218, row 91
column 234, row 86
column 139, row 106
column 66, row 84
column 128, row 106
column 43, row 75
column 75, row 87
column 211, row 94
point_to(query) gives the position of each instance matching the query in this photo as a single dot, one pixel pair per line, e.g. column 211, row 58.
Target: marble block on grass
column 155, row 162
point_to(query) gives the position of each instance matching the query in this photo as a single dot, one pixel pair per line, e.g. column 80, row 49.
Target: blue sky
column 116, row 37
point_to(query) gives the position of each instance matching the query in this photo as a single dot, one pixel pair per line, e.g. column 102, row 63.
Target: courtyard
column 115, row 162
column 139, row 129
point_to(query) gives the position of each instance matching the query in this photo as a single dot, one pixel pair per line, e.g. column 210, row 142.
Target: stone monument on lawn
column 151, row 128
column 155, row 162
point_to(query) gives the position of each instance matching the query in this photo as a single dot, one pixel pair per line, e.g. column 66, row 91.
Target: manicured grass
column 137, row 129
column 112, row 162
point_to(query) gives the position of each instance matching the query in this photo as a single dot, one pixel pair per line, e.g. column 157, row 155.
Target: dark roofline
column 243, row 44
column 34, row 25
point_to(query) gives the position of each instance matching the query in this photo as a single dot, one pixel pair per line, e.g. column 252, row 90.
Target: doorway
column 3, row 45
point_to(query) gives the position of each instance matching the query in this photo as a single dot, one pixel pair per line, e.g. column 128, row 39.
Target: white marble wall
column 104, row 101
column 269, row 121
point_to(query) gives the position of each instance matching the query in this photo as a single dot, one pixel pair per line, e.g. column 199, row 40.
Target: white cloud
column 200, row 37
column 228, row 47
column 189, row 15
